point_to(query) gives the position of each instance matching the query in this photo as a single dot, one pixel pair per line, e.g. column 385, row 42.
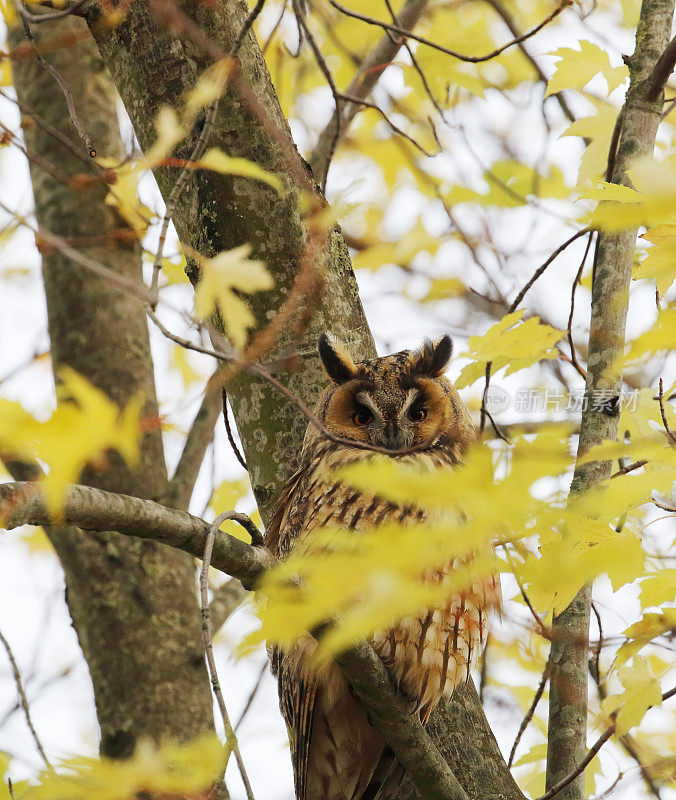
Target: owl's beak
column 393, row 439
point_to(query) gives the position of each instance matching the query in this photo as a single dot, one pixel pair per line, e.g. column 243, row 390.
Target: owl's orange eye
column 417, row 413
column 362, row 416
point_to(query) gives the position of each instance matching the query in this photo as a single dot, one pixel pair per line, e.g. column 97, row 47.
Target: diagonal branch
column 363, row 83
column 93, row 509
column 199, row 437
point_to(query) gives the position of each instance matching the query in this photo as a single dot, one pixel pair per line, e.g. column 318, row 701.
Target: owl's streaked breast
column 427, row 654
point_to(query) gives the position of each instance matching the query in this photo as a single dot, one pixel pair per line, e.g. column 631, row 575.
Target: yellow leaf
column 84, row 425
column 641, row 691
column 169, row 770
column 660, row 263
column 123, row 195
column 442, row 289
column 572, row 557
column 598, row 128
column 229, row 272
column 510, row 184
column 401, row 252
column 218, row 161
column 228, row 494
column 658, row 588
column 170, row 131
column 6, row 78
column 209, row 87
column 509, row 343
column 180, row 361
column 649, row 627
column 661, row 337
column 576, row 68
column 36, row 540
column 8, row 13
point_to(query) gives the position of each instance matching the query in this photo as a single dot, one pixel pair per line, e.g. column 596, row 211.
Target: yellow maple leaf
column 660, row 262
column 123, row 194
column 576, row 68
column 509, row 343
column 658, row 588
column 649, row 627
column 218, row 161
column 84, row 425
column 598, row 129
column 221, row 277
column 641, row 691
column 661, row 337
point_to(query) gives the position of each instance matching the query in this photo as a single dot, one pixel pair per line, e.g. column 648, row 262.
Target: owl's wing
column 281, row 511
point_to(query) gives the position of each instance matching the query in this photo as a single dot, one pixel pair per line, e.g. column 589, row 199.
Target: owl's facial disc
column 394, row 424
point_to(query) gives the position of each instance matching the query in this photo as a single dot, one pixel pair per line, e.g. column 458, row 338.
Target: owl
column 395, row 402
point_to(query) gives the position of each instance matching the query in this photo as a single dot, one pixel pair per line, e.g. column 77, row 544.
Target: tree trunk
column 132, row 602
column 152, row 67
column 569, row 655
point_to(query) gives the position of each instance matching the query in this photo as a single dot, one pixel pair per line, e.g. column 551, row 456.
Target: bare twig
column 502, row 12
column 540, row 270
column 252, row 694
column 24, row 700
column 660, row 399
column 363, row 83
column 569, row 332
column 231, row 739
column 471, row 59
column 629, row 468
column 529, row 714
column 44, row 238
column 82, row 133
column 228, row 429
column 657, row 80
column 664, row 506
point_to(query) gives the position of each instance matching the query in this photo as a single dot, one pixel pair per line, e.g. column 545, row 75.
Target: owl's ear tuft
column 336, row 359
column 432, row 358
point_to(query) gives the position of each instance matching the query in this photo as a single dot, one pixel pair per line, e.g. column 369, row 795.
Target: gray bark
column 569, row 655
column 132, row 602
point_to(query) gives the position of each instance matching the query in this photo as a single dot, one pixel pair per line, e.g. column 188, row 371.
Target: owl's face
column 397, row 401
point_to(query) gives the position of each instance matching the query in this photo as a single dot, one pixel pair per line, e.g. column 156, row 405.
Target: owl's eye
column 362, row 416
column 417, row 413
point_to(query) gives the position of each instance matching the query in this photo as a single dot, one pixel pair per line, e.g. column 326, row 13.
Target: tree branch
column 361, row 86
column 199, row 437
column 93, row 509
column 661, row 72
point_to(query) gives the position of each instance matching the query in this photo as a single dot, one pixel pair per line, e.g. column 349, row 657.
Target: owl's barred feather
column 396, row 402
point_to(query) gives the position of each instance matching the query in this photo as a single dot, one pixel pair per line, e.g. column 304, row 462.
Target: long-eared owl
column 396, row 402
